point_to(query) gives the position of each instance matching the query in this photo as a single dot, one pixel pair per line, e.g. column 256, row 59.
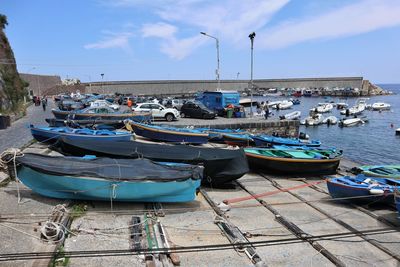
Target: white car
column 104, row 103
column 158, row 111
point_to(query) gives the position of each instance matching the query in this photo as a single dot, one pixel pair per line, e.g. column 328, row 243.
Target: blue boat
column 263, row 140
column 365, row 189
column 238, row 139
column 169, row 134
column 50, row 135
column 397, row 201
column 132, row 180
column 216, row 135
column 295, row 101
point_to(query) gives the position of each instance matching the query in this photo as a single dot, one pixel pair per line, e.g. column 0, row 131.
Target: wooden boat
column 238, row 139
column 263, row 140
column 220, row 165
column 102, row 113
column 380, row 106
column 361, row 188
column 108, row 179
column 52, row 134
column 295, row 161
column 384, row 171
column 216, row 135
column 95, row 124
column 169, row 134
column 295, row 115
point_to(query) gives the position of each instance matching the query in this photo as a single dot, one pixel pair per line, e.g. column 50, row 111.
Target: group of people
column 37, row 101
column 263, row 107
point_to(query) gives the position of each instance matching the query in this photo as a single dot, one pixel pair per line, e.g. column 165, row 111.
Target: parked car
column 174, row 103
column 102, row 103
column 158, row 111
column 196, row 110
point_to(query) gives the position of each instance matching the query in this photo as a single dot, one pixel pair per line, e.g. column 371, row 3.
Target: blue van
column 218, row 100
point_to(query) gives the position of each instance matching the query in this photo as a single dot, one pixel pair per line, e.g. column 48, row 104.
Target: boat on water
column 380, row 106
column 294, row 161
column 295, row 115
column 220, row 165
column 351, row 122
column 263, row 140
column 357, row 109
column 285, row 104
column 50, row 135
column 93, row 178
column 323, row 108
column 330, row 120
column 168, row 133
column 384, row 171
column 102, row 113
column 295, row 101
column 238, row 139
column 342, row 105
column 361, row 188
column 397, row 132
column 314, row 120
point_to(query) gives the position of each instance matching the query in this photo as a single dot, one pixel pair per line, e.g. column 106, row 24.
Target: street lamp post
column 217, row 44
column 251, row 36
column 102, row 75
column 237, row 75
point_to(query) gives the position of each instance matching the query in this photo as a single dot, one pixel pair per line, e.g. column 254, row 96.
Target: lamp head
column 203, row 33
column 252, row 35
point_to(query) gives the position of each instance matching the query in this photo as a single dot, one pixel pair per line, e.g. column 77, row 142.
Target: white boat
column 285, row 104
column 358, row 108
column 398, row 131
column 352, row 121
column 324, row 107
column 380, row 106
column 330, row 120
column 342, row 105
column 273, row 104
column 314, row 120
column 295, row 115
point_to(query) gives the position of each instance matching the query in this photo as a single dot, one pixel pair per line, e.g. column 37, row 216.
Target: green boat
column 385, row 171
column 294, row 161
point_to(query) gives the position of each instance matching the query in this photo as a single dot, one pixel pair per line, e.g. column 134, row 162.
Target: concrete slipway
column 299, row 227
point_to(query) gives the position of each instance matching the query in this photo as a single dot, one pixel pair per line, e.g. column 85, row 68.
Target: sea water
column 374, row 142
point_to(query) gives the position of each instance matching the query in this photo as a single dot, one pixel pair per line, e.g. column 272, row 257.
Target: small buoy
column 224, row 207
column 391, row 125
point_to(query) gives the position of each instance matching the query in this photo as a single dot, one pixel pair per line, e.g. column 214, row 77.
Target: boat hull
column 170, row 136
column 292, row 166
column 220, row 165
column 260, row 141
column 138, row 117
column 50, row 137
column 84, row 188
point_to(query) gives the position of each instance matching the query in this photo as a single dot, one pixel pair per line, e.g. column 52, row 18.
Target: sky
column 160, row 39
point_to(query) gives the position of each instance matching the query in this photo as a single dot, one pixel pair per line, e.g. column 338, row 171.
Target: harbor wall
column 185, row 87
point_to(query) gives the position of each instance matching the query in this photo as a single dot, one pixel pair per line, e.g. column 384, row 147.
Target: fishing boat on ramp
column 91, row 178
column 383, row 171
column 263, row 140
column 365, row 189
column 238, row 139
column 221, row 165
column 216, row 135
column 294, row 161
column 102, row 113
column 50, row 135
column 168, row 134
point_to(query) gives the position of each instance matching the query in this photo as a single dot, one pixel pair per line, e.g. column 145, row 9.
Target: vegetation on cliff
column 12, row 87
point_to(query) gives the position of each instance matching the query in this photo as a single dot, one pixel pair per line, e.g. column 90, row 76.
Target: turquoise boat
column 92, row 178
column 384, row 171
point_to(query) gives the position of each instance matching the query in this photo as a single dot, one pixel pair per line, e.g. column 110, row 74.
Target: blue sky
column 160, row 39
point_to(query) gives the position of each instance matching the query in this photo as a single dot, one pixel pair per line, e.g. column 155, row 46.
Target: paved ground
column 18, row 134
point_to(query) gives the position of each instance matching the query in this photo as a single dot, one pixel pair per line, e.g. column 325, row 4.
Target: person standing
column 129, row 103
column 266, row 110
column 44, row 104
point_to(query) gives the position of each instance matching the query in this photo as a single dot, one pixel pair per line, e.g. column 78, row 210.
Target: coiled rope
column 5, row 158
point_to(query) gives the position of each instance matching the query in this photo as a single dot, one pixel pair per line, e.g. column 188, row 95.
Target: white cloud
column 358, row 18
column 161, row 30
column 112, row 40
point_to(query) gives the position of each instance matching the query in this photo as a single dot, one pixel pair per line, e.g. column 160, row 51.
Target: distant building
column 39, row 84
column 70, row 81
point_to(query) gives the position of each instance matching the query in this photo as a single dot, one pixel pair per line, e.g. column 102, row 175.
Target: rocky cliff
column 12, row 87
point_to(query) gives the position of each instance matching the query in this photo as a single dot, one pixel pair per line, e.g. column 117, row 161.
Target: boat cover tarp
column 220, row 165
column 110, row 169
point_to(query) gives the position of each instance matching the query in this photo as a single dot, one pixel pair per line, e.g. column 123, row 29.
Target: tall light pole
column 251, row 36
column 237, row 75
column 90, row 82
column 217, row 72
column 102, row 75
